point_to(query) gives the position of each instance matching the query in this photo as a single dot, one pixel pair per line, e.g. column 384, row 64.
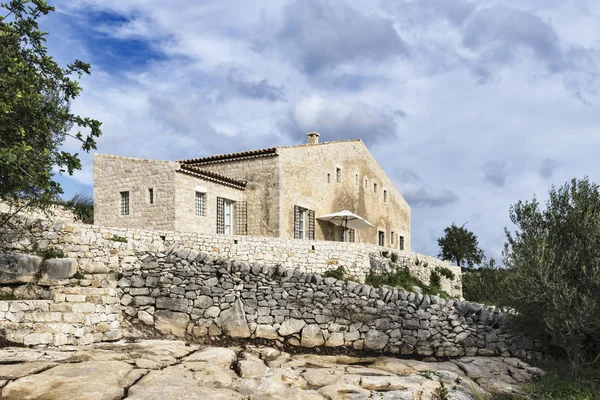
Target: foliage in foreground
column 35, row 116
column 557, row 385
column 488, row 284
column 460, row 246
column 82, row 206
column 554, row 259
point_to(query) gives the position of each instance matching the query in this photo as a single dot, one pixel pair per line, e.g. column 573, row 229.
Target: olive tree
column 460, row 245
column 554, row 257
column 35, row 116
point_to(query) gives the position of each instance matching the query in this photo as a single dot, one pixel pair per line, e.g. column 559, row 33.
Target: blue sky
column 469, row 106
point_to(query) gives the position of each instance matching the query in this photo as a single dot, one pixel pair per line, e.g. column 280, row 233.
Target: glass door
column 228, row 217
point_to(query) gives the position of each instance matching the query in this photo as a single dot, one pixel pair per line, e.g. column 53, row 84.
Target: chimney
column 313, row 137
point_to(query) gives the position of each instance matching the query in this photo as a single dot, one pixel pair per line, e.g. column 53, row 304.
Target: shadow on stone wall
column 186, row 294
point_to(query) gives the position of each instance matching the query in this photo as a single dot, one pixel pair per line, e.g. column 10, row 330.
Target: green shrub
column 446, row 272
column 554, row 257
column 435, row 279
column 401, row 278
column 117, row 238
column 557, row 386
column 51, row 252
column 394, row 257
column 486, row 285
column 338, row 273
column 78, row 275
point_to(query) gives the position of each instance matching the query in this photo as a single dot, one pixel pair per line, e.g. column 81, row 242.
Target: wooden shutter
column 351, row 235
column 311, row 225
column 220, row 215
column 296, row 222
column 241, row 218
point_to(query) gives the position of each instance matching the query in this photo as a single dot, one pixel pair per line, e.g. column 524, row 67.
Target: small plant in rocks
column 51, row 252
column 117, row 238
column 446, row 272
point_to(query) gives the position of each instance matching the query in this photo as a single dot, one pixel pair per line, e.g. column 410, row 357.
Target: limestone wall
column 309, row 179
column 99, row 254
column 185, row 195
column 262, row 190
column 114, row 174
column 74, row 316
column 195, row 295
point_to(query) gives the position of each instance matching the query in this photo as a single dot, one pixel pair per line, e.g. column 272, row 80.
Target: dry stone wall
column 98, row 253
column 184, row 293
column 73, row 316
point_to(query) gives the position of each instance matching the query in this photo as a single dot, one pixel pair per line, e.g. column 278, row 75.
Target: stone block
column 34, row 339
column 57, row 268
column 18, row 268
column 172, row 304
column 171, row 323
column 375, row 340
column 142, row 301
column 266, row 332
column 233, row 321
column 312, row 336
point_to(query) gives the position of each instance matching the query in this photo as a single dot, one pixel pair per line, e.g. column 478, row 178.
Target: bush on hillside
column 554, row 262
column 401, row 278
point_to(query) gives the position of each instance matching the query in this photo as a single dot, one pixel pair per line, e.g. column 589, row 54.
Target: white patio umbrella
column 347, row 219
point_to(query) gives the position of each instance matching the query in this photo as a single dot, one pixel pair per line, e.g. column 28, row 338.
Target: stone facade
column 321, row 177
column 309, row 178
column 172, row 206
column 262, row 190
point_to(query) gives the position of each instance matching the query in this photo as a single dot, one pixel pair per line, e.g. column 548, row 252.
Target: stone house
column 274, row 192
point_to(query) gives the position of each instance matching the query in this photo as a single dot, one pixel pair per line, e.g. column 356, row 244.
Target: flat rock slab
column 164, row 369
column 94, row 380
column 176, row 383
column 16, row 371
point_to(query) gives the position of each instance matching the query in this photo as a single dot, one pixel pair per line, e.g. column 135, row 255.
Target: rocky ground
column 161, row 370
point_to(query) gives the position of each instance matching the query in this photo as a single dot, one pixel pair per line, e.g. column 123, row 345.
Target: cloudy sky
column 469, row 106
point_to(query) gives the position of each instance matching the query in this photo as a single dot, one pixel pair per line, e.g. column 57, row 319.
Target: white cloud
column 448, row 90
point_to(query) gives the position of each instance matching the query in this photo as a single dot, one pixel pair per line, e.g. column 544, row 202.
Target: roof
column 255, row 153
column 211, row 176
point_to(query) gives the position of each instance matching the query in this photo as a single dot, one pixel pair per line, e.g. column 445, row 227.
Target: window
column 381, row 238
column 151, row 195
column 225, row 209
column 301, row 223
column 356, row 179
column 124, row 203
column 392, row 238
column 304, row 223
column 375, row 187
column 366, row 183
column 228, row 217
column 351, row 235
column 328, row 178
column 401, row 242
column 338, row 175
column 200, row 204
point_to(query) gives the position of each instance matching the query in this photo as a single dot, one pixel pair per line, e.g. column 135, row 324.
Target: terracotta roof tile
column 255, row 153
column 192, row 170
